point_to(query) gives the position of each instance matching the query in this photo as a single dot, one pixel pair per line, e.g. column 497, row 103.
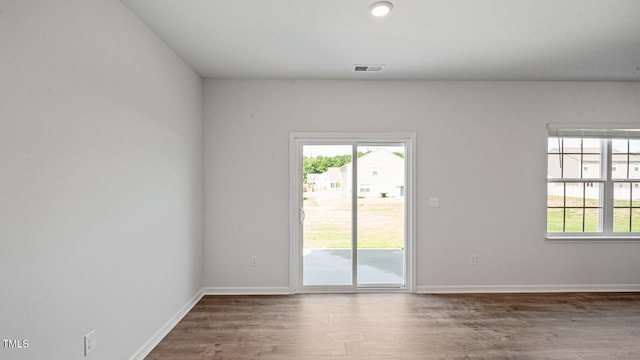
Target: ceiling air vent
column 368, row 68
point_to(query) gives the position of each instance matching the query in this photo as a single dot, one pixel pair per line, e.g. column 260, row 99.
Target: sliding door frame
column 296, row 141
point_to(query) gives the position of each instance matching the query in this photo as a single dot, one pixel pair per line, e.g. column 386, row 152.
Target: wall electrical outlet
column 473, row 259
column 89, row 342
column 254, row 261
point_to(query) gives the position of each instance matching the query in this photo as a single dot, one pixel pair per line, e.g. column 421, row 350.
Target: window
column 574, row 191
column 592, row 185
column 626, row 199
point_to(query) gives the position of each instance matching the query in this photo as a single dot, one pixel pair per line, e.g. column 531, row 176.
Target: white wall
column 100, row 179
column 494, row 130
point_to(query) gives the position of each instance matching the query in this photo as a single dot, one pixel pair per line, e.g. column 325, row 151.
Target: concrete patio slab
column 333, row 267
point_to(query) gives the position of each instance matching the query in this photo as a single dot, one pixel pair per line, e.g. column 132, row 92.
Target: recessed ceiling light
column 381, row 8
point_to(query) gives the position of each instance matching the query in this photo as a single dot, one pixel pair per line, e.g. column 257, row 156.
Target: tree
column 320, row 164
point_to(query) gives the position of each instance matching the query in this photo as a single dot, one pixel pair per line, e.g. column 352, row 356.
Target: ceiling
column 590, row 40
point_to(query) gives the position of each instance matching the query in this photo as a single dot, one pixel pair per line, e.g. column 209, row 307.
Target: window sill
column 593, row 237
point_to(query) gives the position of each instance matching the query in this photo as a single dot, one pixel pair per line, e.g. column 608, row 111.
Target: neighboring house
column 379, row 172
column 327, row 181
column 588, row 166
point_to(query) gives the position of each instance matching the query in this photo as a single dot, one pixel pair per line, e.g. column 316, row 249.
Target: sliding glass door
column 381, row 215
column 327, row 216
column 352, row 224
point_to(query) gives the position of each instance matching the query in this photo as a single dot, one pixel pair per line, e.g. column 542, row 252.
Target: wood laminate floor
column 594, row 326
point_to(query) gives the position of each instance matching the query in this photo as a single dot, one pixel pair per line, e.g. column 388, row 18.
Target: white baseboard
column 246, row 291
column 167, row 327
column 452, row 289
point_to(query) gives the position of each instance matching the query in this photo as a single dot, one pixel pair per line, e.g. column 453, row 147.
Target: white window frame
column 606, row 134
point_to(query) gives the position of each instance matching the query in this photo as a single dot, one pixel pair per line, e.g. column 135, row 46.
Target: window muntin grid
column 574, row 158
column 575, row 185
column 574, row 207
column 626, row 194
column 593, row 185
column 626, row 159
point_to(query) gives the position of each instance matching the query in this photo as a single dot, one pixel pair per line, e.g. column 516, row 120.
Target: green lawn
column 327, row 222
column 574, row 217
column 342, row 240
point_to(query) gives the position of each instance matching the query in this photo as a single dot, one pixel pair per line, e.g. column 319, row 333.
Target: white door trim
column 296, row 140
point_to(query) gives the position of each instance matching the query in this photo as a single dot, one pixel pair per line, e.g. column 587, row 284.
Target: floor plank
column 574, row 326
